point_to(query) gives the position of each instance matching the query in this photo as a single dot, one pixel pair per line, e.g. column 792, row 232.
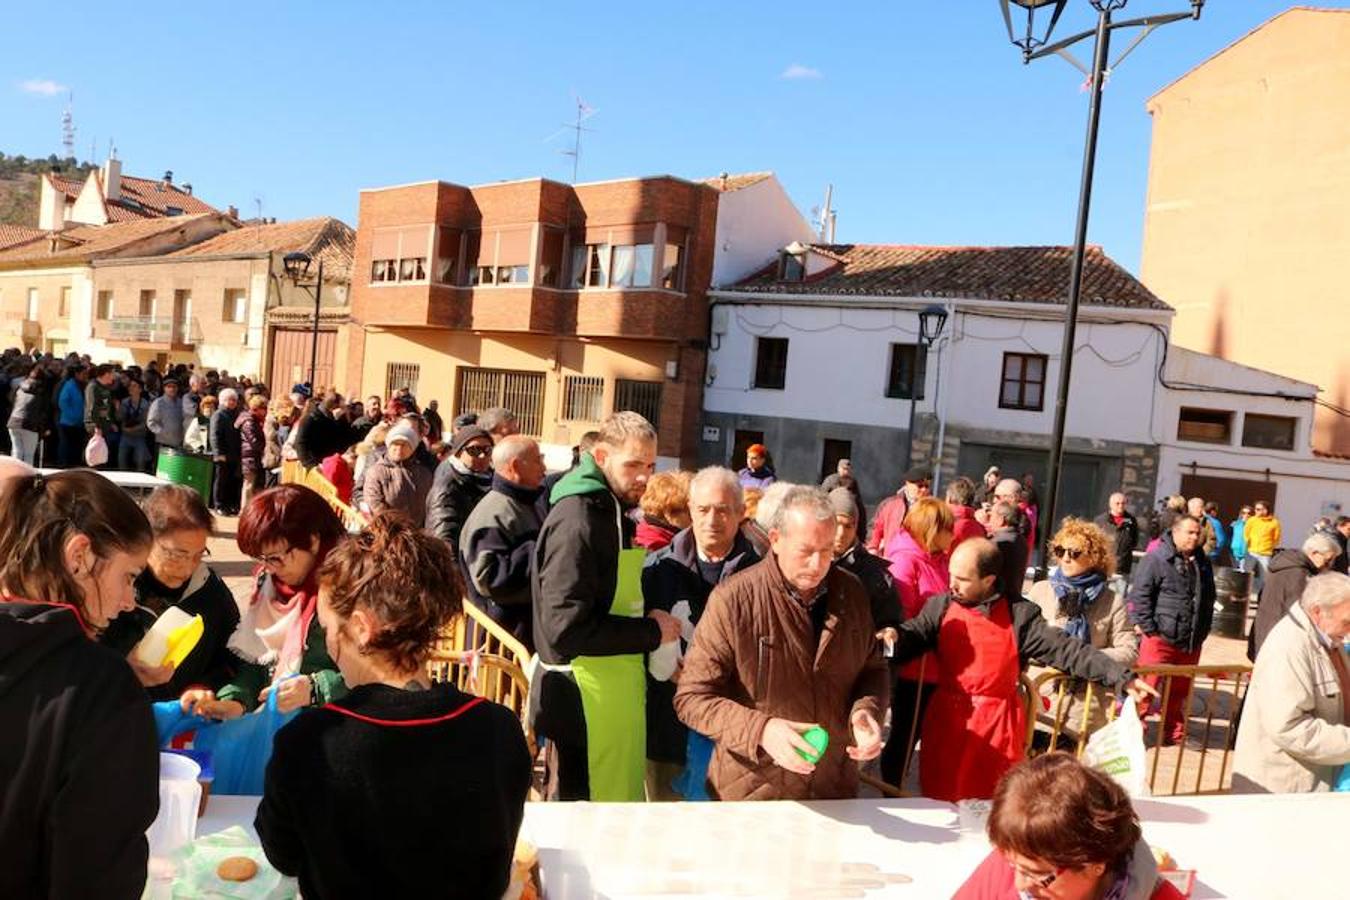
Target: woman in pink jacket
column 918, row 558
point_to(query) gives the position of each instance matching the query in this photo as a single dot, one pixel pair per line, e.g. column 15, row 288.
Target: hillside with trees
column 20, row 188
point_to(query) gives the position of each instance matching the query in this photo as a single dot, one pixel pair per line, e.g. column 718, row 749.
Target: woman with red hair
column 289, row 530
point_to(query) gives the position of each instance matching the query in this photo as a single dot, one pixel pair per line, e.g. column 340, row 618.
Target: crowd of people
column 697, row 635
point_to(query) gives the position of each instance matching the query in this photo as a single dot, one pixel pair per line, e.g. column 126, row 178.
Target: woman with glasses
column 1078, row 600
column 460, row 482
column 289, row 530
column 177, row 575
column 1061, row 830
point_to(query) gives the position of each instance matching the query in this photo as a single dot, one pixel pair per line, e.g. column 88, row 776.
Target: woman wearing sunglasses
column 461, row 481
column 289, row 530
column 177, row 575
column 1078, row 599
column 1062, row 831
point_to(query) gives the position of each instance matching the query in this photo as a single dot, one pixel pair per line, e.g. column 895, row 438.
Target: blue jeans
column 133, row 454
column 1258, row 565
column 24, row 444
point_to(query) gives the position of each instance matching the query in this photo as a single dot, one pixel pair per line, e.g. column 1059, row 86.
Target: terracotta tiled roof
column 85, row 242
column 13, row 235
column 142, row 198
column 326, row 238
column 1012, row 274
column 727, row 183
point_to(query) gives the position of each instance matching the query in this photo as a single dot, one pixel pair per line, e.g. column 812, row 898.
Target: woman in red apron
column 975, row 729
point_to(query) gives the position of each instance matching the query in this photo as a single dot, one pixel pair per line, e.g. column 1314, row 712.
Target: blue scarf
column 1076, row 596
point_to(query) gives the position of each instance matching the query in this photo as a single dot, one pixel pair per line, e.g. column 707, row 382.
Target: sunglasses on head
column 1067, row 552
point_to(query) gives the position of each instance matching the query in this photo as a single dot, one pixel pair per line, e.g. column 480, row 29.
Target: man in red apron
column 975, row 728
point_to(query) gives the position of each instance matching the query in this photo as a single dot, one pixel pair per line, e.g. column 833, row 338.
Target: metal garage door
column 291, row 349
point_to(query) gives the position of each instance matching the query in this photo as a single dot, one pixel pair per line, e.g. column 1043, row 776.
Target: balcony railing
column 151, row 330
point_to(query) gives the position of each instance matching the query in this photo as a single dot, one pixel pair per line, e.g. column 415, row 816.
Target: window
column 520, row 392
column 146, row 307
column 64, row 309
column 483, row 275
column 551, row 257
column 473, row 243
column 33, row 304
column 1268, row 432
column 1205, row 426
column 576, row 275
column 104, row 311
column 400, row 375
column 909, row 365
column 512, row 275
column 412, row 269
column 771, row 363
column 792, row 267
column 632, row 266
column 1023, row 381
column 384, row 270
column 642, row 397
column 583, row 398
column 234, row 309
column 400, row 254
column 447, row 255
column 598, row 273
column 672, row 269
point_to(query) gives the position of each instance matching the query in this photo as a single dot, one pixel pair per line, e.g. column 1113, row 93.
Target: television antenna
column 68, row 126
column 584, row 112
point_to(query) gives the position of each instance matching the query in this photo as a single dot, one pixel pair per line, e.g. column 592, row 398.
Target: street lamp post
column 1035, row 43
column 932, row 318
column 297, row 267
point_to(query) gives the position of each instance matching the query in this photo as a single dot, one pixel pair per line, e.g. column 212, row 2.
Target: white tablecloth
column 1259, row 847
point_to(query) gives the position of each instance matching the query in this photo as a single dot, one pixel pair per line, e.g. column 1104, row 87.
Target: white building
column 814, row 356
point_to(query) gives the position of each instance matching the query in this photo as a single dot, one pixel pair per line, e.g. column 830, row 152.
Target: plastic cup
column 179, row 800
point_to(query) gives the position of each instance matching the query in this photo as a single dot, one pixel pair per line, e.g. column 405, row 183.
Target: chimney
column 187, row 187
column 51, row 207
column 724, row 177
column 168, row 177
column 112, row 179
column 232, row 211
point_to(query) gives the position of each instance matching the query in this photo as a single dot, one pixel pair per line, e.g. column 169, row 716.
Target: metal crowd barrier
column 1071, row 710
column 292, row 472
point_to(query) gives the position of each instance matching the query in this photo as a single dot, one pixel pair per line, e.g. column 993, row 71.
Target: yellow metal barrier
column 1072, row 710
column 292, row 472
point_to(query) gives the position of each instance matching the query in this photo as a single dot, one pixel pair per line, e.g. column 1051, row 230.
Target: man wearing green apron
column 588, row 688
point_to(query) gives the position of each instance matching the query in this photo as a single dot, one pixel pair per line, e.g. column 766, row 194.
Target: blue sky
column 920, row 113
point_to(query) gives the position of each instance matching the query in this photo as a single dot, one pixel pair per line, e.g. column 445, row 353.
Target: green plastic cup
column 818, row 738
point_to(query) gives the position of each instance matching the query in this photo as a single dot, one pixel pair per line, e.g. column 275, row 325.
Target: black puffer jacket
column 1124, row 537
column 453, row 496
column 1172, row 597
column 79, row 767
column 875, row 575
column 669, row 577
column 1289, row 574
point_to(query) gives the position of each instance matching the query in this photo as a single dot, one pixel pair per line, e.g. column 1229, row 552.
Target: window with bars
column 643, row 397
column 520, row 392
column 583, row 398
column 401, row 375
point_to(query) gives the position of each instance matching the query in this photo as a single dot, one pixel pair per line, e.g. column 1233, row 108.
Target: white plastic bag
column 96, row 451
column 1117, row 749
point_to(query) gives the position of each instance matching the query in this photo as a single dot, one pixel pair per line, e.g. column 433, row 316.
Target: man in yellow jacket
column 1262, row 533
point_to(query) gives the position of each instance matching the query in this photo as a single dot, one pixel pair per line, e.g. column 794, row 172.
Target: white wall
column 753, row 225
column 839, row 358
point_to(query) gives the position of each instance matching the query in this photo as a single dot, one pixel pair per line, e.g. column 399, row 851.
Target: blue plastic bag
column 239, row 747
column 692, row 782
column 1343, row 782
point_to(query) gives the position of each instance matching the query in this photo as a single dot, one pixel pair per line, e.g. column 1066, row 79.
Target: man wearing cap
column 397, row 482
column 757, row 473
column 462, row 479
column 873, row 571
column 891, row 513
column 843, row 477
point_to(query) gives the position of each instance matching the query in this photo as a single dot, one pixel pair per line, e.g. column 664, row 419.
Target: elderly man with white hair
column 678, row 579
column 1295, row 731
column 1289, row 573
column 496, row 541
column 786, row 650
column 227, row 445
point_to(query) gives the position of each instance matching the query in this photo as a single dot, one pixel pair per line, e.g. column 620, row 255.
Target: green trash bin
column 183, row 467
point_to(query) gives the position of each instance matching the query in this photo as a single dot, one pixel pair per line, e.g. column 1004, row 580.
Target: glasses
column 1041, row 880
column 1067, row 552
column 478, row 452
column 274, row 559
column 173, row 554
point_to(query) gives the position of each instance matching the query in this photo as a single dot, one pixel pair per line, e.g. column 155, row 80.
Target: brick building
column 561, row 302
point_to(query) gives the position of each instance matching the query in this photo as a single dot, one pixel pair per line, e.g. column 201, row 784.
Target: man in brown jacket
column 784, row 646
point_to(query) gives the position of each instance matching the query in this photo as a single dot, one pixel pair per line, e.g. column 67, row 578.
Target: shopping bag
column 1343, row 781
column 240, row 747
column 1117, row 749
column 96, row 451
column 692, row 782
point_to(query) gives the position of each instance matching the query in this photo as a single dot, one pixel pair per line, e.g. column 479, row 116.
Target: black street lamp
column 297, row 267
column 932, row 318
column 1035, row 44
